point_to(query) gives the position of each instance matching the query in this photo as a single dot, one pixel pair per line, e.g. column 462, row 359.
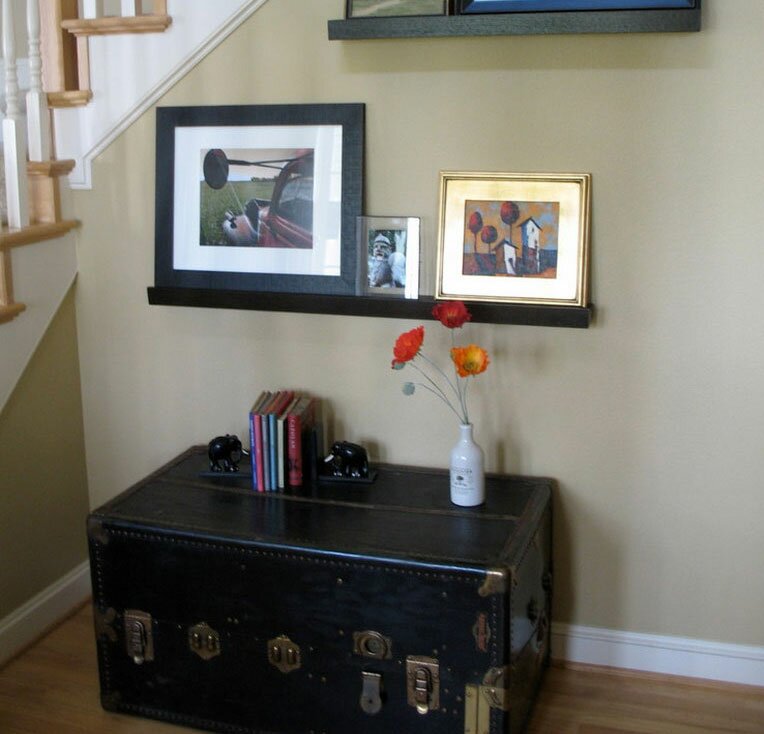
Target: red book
column 261, row 425
column 299, row 420
column 256, row 441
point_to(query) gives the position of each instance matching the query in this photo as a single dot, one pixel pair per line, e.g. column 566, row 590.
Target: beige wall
column 42, row 469
column 651, row 420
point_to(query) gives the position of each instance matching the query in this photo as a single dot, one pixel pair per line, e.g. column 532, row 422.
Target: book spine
column 258, row 455
column 266, row 453
column 252, row 445
column 294, row 450
column 282, row 440
column 273, row 451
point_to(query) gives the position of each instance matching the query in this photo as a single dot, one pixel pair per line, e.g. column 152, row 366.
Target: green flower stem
column 464, row 400
column 440, row 395
column 435, row 388
column 432, row 364
column 461, row 391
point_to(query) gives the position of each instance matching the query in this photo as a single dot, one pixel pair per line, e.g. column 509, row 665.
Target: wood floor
column 53, row 689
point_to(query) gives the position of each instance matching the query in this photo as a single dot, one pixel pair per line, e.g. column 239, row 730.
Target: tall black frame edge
column 351, row 116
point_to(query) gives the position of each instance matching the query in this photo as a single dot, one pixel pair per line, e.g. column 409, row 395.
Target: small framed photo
column 389, row 249
column 514, row 237
column 390, row 8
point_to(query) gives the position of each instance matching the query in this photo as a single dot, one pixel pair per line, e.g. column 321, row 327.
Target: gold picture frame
column 514, row 237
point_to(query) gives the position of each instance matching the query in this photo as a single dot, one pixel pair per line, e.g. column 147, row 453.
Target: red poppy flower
column 407, row 345
column 470, row 360
column 452, row 314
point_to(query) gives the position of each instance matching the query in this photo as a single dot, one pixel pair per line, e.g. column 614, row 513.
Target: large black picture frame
column 178, row 220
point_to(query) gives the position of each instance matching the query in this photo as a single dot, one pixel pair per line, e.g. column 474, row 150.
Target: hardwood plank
column 53, row 687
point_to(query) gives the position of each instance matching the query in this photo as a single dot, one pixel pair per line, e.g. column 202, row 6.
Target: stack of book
column 284, row 440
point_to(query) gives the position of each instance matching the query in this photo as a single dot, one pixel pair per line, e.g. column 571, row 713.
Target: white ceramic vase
column 467, row 473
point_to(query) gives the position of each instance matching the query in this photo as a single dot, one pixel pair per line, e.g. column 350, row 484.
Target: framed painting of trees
column 514, row 237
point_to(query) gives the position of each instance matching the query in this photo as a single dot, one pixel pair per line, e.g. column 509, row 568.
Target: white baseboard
column 659, row 654
column 28, row 622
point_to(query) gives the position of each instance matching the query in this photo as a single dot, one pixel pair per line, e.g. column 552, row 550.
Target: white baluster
column 131, row 8
column 38, row 114
column 14, row 135
column 92, row 9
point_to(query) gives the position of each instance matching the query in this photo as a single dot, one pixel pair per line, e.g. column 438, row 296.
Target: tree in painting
column 509, row 214
column 475, row 224
column 489, row 235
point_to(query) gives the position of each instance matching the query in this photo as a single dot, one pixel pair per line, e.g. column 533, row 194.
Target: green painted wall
column 43, row 485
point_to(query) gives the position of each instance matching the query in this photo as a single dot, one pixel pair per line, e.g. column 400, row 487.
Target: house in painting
column 531, row 238
column 506, row 258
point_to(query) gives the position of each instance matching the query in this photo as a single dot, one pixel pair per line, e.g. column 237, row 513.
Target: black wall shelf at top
column 421, row 308
column 519, row 24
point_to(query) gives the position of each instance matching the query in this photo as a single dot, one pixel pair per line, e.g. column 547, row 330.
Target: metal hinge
column 495, row 688
column 479, row 700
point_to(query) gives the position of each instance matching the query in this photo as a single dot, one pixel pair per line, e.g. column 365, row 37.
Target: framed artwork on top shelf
column 520, row 17
column 395, row 8
column 259, row 198
column 514, row 238
column 518, row 6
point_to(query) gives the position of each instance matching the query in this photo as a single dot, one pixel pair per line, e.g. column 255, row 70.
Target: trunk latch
column 139, row 640
column 422, row 683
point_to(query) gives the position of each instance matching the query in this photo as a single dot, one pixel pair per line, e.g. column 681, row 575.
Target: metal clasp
column 371, row 692
column 204, row 641
column 422, row 683
column 139, row 639
column 372, row 644
column 284, row 654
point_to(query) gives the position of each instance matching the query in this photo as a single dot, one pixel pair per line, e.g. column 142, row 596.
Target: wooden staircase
column 59, row 77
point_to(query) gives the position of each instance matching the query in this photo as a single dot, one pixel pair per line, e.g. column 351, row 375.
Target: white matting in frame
column 323, row 258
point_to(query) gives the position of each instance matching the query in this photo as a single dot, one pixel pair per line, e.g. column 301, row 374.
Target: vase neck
column 465, row 429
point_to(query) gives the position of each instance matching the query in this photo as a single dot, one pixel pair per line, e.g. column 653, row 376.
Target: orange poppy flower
column 470, row 360
column 407, row 345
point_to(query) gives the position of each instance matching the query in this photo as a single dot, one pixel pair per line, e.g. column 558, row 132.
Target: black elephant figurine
column 348, row 460
column 224, row 453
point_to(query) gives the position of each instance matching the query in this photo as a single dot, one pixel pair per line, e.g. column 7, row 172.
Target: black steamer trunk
column 338, row 609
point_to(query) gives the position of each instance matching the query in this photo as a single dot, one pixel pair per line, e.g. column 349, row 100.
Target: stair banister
column 14, row 134
column 92, row 9
column 38, row 113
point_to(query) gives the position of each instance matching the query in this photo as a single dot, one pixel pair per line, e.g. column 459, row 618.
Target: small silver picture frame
column 388, row 256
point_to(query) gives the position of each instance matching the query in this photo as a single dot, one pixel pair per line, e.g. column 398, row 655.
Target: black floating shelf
column 519, row 24
column 399, row 308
